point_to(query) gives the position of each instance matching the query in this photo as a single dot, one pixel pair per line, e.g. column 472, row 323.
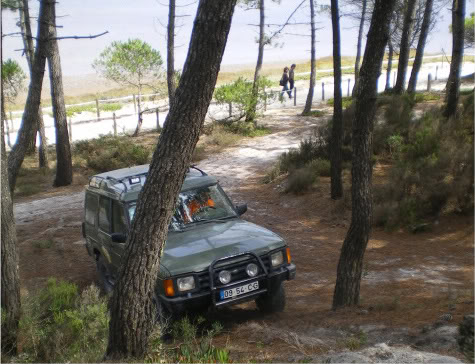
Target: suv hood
column 194, row 249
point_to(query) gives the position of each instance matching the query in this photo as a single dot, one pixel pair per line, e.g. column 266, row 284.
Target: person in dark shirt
column 291, row 79
column 284, row 81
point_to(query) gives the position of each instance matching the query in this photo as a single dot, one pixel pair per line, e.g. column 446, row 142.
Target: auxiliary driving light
column 224, row 276
column 252, row 270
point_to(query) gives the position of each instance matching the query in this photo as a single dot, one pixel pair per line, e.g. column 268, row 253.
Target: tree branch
column 284, row 25
column 81, row 36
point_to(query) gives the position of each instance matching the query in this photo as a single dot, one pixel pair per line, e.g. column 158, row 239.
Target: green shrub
column 247, row 129
column 110, row 107
column 59, row 325
column 77, row 109
column 193, row 343
column 222, row 137
column 108, row 153
column 321, row 167
column 301, row 180
column 239, row 93
column 345, row 101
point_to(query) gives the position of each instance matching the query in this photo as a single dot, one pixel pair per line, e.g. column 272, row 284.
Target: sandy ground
column 409, row 280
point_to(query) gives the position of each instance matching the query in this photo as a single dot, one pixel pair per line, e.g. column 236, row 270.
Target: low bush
column 345, row 101
column 432, row 168
column 193, row 343
column 61, row 325
column 110, row 107
column 301, row 180
column 108, row 153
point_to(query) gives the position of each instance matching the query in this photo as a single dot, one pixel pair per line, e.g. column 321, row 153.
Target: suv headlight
column 277, row 259
column 185, row 283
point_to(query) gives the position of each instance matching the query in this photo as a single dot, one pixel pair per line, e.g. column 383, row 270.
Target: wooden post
column 98, row 110
column 394, row 78
column 8, row 133
column 157, row 113
column 11, row 120
column 135, row 104
column 230, row 109
column 436, row 71
column 70, row 124
column 323, row 90
column 265, row 100
column 114, row 124
column 295, row 96
column 348, row 90
column 429, row 82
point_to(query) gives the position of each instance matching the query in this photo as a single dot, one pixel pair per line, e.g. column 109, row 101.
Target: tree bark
column 390, row 66
column 251, row 113
column 313, row 61
column 171, row 51
column 347, row 287
column 411, row 88
column 132, row 308
column 33, row 100
column 10, row 288
column 358, row 47
column 337, row 128
column 25, row 25
column 64, row 165
column 404, row 47
column 453, row 82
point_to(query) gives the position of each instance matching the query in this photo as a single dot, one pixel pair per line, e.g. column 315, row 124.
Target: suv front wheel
column 272, row 302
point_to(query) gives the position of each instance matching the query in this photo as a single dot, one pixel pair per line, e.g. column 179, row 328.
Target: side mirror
column 118, row 237
column 241, row 209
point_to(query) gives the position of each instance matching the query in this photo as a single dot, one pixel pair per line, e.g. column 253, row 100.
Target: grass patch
column 59, row 324
column 32, row 180
column 77, row 109
column 110, row 107
column 315, row 113
column 109, row 153
column 426, row 96
column 346, row 101
column 44, row 244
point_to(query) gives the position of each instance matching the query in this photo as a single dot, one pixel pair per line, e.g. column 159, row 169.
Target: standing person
column 291, row 78
column 284, row 81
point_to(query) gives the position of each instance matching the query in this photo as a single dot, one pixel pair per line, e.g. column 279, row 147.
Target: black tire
column 273, row 301
column 105, row 278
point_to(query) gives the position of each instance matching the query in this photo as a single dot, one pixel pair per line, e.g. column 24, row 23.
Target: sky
column 147, row 19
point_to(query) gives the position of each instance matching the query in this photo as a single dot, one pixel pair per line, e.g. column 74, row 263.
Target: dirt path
column 409, row 280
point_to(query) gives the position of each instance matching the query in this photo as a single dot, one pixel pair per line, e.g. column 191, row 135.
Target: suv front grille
column 237, row 269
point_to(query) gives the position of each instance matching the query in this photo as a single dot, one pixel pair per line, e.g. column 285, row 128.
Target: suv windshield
column 198, row 205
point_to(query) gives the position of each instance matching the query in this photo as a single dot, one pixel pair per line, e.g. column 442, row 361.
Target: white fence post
column 429, row 82
column 157, row 113
column 98, row 110
column 114, row 124
column 348, row 90
column 323, row 91
column 70, row 124
column 295, row 96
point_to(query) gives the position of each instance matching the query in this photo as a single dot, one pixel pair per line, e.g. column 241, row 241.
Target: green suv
column 211, row 256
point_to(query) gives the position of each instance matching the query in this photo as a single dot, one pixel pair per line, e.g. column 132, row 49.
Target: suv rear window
column 91, row 208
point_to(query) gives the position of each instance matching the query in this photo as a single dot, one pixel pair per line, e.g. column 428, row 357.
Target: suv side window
column 119, row 223
column 91, row 208
column 104, row 214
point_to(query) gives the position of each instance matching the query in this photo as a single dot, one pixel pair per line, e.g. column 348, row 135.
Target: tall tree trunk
column 33, row 100
column 139, row 109
column 10, row 288
column 132, row 308
column 313, row 61
column 358, row 47
column 347, row 287
column 25, row 25
column 390, row 66
column 453, row 82
column 420, row 46
column 404, row 48
column 171, row 51
column 64, row 164
column 337, row 128
column 251, row 113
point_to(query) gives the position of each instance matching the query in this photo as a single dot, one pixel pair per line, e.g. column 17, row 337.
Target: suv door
column 119, row 225
column 104, row 235
column 91, row 206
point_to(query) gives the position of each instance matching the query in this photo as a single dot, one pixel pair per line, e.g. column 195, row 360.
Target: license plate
column 233, row 292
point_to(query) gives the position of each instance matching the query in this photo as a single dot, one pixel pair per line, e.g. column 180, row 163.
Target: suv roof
column 125, row 183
